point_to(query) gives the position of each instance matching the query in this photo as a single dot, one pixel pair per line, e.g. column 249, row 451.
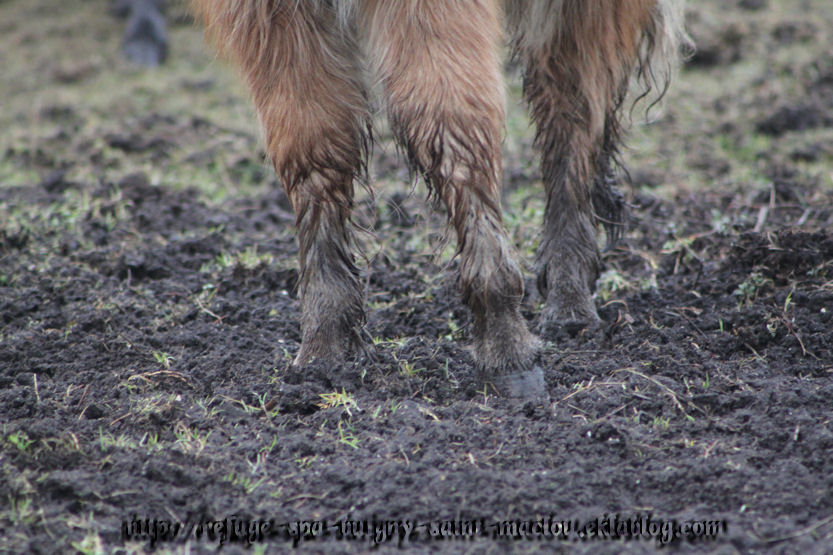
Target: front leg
column 440, row 69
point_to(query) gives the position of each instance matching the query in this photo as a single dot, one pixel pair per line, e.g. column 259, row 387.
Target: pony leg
column 579, row 57
column 302, row 69
column 440, row 71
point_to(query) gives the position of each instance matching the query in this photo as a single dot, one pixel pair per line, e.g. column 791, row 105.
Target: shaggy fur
column 437, row 68
column 579, row 58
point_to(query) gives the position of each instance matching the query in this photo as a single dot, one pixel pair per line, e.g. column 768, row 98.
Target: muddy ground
column 148, row 317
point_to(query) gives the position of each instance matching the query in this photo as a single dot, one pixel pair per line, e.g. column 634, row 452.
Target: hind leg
column 439, row 67
column 303, row 74
column 578, row 57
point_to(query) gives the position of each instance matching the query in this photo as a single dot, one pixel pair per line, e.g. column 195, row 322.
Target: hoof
column 148, row 54
column 145, row 39
column 526, row 385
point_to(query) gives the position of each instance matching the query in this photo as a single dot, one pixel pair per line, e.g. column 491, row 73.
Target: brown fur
column 437, row 69
column 577, row 75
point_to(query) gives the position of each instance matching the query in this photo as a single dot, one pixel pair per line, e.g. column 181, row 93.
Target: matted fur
column 437, row 68
column 579, row 58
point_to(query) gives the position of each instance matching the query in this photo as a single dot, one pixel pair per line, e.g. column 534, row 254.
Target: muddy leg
column 441, row 75
column 577, row 68
column 304, row 77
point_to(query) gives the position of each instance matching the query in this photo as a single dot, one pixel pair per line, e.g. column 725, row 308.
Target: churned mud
column 148, row 319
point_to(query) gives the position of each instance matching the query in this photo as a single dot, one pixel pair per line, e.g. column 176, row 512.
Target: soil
column 148, row 319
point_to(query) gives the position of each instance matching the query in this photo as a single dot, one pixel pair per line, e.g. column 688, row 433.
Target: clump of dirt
column 813, row 107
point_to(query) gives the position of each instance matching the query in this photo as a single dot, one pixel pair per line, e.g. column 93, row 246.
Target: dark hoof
column 527, row 385
column 148, row 54
column 336, row 348
column 145, row 39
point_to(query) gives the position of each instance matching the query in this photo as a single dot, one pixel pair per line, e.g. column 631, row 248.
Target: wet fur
column 437, row 68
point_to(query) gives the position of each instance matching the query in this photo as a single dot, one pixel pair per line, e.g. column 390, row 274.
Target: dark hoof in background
column 526, row 385
column 145, row 39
